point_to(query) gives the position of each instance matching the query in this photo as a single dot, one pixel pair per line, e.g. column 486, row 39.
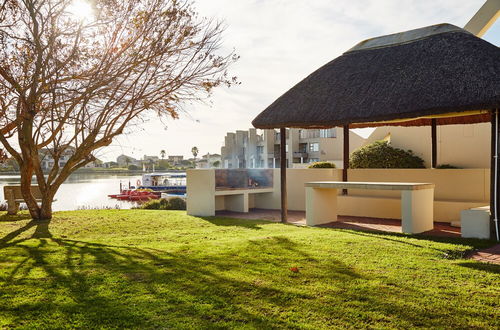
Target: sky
column 280, row 42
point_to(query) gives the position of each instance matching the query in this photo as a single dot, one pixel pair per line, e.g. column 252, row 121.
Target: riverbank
column 164, row 269
column 98, row 170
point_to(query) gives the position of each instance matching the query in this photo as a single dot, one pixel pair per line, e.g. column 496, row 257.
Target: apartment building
column 47, row 161
column 261, row 148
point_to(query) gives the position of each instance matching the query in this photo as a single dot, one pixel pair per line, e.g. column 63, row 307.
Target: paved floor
column 490, row 255
column 345, row 222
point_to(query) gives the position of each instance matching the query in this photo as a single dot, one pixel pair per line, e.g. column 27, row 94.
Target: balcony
column 300, row 154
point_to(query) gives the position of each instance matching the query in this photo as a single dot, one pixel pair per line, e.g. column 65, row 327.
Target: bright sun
column 81, row 9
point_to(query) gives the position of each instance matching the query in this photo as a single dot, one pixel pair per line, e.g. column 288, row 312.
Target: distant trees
column 162, row 154
column 194, row 151
column 127, row 161
column 68, row 81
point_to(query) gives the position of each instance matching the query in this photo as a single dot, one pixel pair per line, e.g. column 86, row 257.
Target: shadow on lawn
column 482, row 266
column 11, row 218
column 122, row 286
column 231, row 222
column 100, row 285
column 396, row 237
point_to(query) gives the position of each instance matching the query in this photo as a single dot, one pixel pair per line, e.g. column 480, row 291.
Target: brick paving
column 345, row 222
column 490, row 255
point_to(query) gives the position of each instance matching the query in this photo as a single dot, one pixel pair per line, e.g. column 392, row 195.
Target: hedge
column 175, row 203
column 322, row 165
column 381, row 154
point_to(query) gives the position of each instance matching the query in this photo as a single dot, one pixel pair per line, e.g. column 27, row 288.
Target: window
column 328, row 133
column 313, row 146
column 260, row 149
column 309, row 133
column 313, row 160
column 286, row 147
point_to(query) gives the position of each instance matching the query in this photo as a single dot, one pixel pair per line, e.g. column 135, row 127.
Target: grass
column 164, row 269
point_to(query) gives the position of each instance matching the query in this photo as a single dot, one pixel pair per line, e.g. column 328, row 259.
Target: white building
column 261, row 148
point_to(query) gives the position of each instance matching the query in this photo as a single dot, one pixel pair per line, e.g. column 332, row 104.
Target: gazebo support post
column 494, row 176
column 346, row 157
column 434, row 142
column 284, row 199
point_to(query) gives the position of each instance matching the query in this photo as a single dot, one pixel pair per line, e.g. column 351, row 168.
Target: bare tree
column 3, row 156
column 75, row 83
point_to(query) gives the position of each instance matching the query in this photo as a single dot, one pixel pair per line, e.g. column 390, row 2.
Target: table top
column 370, row 185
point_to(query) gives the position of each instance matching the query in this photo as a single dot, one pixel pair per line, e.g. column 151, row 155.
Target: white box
column 475, row 222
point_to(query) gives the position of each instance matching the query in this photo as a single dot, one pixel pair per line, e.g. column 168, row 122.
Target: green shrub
column 381, row 154
column 176, row 203
column 153, row 204
column 133, row 167
column 322, row 165
column 446, row 166
column 164, row 204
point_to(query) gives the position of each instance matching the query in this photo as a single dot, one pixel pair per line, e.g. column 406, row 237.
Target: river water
column 84, row 190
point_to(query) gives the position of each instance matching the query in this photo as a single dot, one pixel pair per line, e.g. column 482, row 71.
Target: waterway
column 85, row 190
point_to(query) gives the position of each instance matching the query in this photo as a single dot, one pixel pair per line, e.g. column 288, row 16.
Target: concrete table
column 416, row 202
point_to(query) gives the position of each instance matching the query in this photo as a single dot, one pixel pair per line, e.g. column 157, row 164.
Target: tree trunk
column 46, row 209
column 26, row 175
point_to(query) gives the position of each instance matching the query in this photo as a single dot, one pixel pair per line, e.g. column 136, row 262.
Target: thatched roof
column 434, row 70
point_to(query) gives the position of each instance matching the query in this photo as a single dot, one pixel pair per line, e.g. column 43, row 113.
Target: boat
column 164, row 182
column 153, row 186
column 136, row 195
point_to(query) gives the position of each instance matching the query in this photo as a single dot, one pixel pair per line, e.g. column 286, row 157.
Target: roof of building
column 436, row 70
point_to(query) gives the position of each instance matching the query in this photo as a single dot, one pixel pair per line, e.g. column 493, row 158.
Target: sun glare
column 81, row 9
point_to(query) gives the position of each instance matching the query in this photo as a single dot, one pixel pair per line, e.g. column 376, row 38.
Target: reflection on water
column 84, row 190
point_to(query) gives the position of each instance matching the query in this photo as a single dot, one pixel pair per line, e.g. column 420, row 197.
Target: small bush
column 382, row 155
column 175, row 203
column 133, row 167
column 322, row 165
column 446, row 166
column 153, row 204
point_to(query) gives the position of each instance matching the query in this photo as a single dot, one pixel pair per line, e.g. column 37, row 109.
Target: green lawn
column 164, row 269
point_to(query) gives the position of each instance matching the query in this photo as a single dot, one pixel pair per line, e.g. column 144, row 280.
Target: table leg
column 417, row 210
column 321, row 206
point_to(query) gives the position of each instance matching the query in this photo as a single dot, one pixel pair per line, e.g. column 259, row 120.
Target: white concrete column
column 417, row 214
column 321, row 206
column 200, row 192
column 274, row 162
column 237, row 203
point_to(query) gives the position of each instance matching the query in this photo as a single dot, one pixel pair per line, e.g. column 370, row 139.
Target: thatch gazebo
column 436, row 75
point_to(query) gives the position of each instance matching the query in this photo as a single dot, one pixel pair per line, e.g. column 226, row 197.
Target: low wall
column 456, row 190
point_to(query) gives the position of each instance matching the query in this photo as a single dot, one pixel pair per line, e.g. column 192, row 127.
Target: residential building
column 47, row 161
column 209, row 161
column 175, row 160
column 125, row 161
column 94, row 164
column 261, row 148
column 148, row 159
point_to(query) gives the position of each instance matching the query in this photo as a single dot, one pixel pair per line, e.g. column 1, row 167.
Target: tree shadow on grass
column 396, row 237
column 55, row 282
column 482, row 266
column 231, row 222
column 11, row 218
column 91, row 284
